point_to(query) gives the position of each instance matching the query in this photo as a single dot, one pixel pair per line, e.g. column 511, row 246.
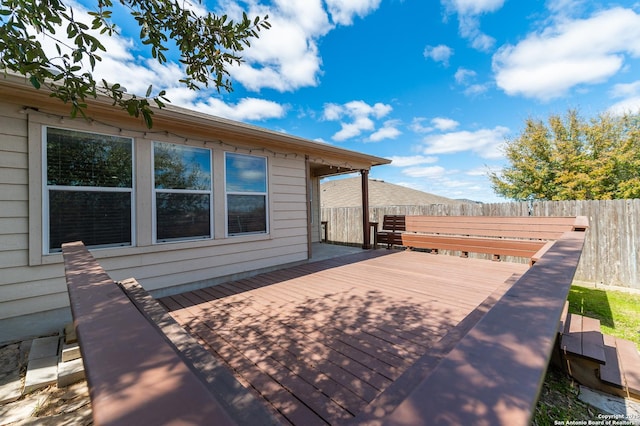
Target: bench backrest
column 528, row 227
column 135, row 375
column 394, row 223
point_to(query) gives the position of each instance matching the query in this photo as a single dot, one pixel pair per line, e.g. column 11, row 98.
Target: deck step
column 582, row 337
column 623, row 365
column 563, row 317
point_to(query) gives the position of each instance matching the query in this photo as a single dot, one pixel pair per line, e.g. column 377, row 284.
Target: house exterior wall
column 33, row 296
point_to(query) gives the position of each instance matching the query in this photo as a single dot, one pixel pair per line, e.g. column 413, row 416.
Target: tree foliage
column 571, row 158
column 208, row 45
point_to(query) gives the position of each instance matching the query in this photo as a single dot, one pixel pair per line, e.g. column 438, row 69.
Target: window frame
column 265, row 194
column 155, row 191
column 46, row 188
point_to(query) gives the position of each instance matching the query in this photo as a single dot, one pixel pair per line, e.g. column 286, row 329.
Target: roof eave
column 17, row 89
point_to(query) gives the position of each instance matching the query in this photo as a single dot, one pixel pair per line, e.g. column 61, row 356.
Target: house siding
column 33, row 296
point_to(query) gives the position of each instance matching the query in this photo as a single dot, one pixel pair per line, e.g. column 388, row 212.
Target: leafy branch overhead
column 208, row 44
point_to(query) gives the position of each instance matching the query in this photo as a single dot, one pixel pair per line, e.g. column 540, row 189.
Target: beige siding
column 13, row 225
column 26, row 305
column 32, row 284
column 22, row 289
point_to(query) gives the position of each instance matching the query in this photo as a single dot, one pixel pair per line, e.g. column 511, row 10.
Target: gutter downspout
column 366, row 230
column 308, row 183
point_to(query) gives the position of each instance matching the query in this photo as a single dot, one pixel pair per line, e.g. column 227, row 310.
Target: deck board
column 321, row 341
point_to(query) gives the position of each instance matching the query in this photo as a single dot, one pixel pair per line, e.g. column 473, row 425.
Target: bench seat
column 520, row 248
column 527, row 237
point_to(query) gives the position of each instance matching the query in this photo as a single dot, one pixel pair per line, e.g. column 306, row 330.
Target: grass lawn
column 619, row 315
column 618, row 312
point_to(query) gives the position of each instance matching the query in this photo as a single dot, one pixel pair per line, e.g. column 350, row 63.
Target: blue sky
column 437, row 86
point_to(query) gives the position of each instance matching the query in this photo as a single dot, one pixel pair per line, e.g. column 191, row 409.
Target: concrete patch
column 70, row 372
column 10, row 382
column 627, row 410
column 21, row 410
column 41, row 372
column 70, row 351
column 80, row 417
column 10, row 387
column 44, row 347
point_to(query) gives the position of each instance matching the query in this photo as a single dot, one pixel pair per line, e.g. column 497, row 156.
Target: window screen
column 246, row 192
column 183, row 197
column 88, row 195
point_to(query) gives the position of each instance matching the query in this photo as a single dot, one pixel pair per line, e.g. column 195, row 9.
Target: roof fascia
column 178, row 120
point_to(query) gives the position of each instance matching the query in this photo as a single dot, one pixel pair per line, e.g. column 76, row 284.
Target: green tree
column 571, row 158
column 208, row 45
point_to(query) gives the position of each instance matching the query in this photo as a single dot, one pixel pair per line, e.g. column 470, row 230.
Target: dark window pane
column 95, row 218
column 182, row 216
column 246, row 173
column 246, row 213
column 87, row 159
column 181, row 167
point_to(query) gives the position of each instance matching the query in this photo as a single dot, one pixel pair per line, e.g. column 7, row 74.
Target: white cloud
column 463, row 76
column 468, row 12
column 483, row 171
column 626, row 90
column 245, row 109
column 343, row 11
column 350, row 130
column 484, row 142
column 333, row 112
column 629, row 94
column 476, row 89
column 561, row 10
column 286, row 57
column 473, row 7
column 418, row 127
column 438, row 123
column 118, row 65
column 388, row 131
column 425, row 172
column 413, row 160
column 440, row 53
column 548, row 64
column 136, row 74
column 451, row 183
column 443, row 124
column 359, row 114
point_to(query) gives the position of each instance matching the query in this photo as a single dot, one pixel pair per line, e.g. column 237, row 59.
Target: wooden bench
column 141, row 366
column 525, row 236
column 494, row 374
column 392, row 228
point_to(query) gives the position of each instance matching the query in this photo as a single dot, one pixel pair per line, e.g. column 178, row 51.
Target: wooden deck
column 347, row 339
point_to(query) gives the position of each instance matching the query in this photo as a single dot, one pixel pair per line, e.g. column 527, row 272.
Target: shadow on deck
column 348, row 339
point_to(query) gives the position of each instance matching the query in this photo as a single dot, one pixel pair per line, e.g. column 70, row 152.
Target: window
column 182, row 187
column 88, row 192
column 246, row 191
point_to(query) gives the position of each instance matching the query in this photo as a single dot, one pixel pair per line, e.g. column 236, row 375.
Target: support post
column 366, row 230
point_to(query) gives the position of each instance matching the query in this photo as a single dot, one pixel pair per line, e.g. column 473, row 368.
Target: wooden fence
column 611, row 254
